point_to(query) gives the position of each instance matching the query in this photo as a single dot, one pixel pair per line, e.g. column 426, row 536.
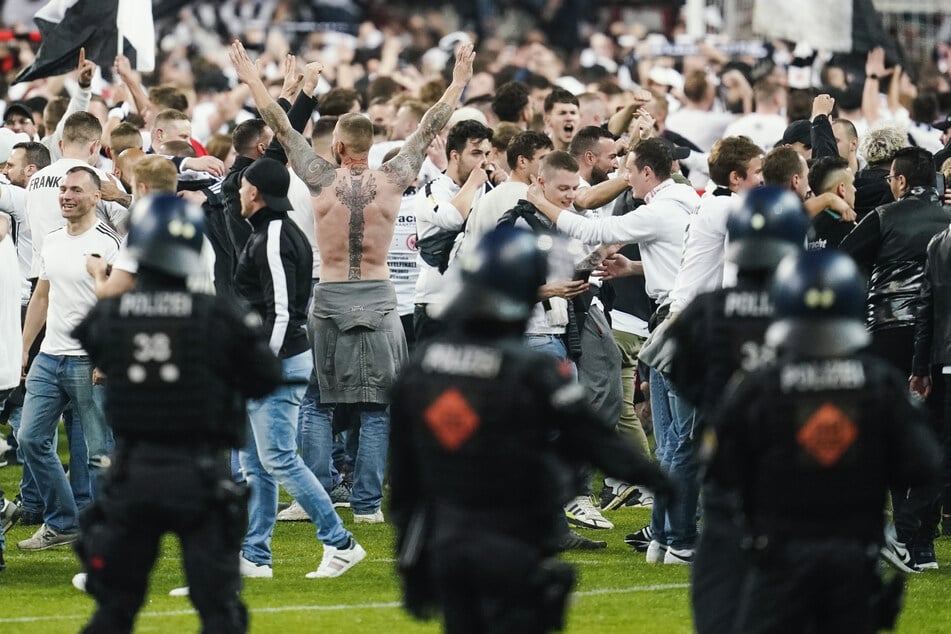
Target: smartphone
column 581, row 275
column 940, row 185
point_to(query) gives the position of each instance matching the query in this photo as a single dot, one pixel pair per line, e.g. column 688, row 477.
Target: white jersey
column 401, row 257
column 202, row 282
column 42, row 205
column 302, row 213
column 11, row 343
column 13, row 203
column 72, row 292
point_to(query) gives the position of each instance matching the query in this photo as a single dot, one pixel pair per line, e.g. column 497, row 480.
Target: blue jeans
column 271, row 458
column 552, row 344
column 662, row 418
column 683, row 468
column 52, row 383
column 317, row 448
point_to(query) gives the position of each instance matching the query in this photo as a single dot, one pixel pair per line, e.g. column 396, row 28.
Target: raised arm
column 404, row 167
column 312, row 169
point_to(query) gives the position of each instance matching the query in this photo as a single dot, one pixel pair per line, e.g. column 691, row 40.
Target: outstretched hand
column 462, row 71
column 243, row 66
column 311, row 76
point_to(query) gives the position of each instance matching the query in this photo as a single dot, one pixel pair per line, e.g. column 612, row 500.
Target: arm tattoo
column 313, row 170
column 404, row 167
column 360, row 192
column 592, row 260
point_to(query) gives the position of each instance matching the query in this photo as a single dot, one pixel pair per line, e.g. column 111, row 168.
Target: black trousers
column 147, row 494
column 424, row 326
column 813, row 587
column 719, row 565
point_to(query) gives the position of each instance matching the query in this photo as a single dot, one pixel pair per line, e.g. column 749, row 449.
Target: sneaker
column 643, row 499
column 923, row 556
column 897, row 554
column 573, row 541
column 283, row 506
column 251, row 570
column 640, row 540
column 678, row 556
column 370, row 518
column 616, row 493
column 179, row 592
column 656, row 552
column 340, row 494
column 9, row 514
column 337, row 561
column 46, row 537
column 581, row 512
column 79, row 581
column 293, row 513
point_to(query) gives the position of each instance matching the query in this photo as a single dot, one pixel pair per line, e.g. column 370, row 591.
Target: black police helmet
column 819, row 301
column 165, row 233
column 500, row 278
column 769, row 224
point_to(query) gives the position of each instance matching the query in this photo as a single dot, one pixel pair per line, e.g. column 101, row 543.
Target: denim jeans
column 52, row 383
column 660, row 408
column 682, row 469
column 317, row 448
column 271, row 458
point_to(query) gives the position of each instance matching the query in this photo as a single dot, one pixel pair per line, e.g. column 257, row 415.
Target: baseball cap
column 9, row 138
column 18, row 107
column 943, row 123
column 677, row 152
column 800, row 131
column 272, row 180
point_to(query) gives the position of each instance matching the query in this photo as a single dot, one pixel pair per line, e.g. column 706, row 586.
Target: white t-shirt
column 302, row 213
column 401, row 257
column 11, row 343
column 701, row 127
column 490, row 208
column 13, row 203
column 72, row 291
column 203, row 282
column 765, row 130
column 42, row 205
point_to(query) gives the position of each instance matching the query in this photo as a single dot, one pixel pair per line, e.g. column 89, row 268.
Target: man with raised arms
column 355, row 328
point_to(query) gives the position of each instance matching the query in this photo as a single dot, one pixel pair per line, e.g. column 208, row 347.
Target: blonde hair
column 881, row 142
column 158, row 173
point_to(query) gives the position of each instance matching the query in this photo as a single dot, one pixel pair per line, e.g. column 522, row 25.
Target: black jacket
column 273, row 275
column 871, row 190
column 933, row 309
column 891, row 244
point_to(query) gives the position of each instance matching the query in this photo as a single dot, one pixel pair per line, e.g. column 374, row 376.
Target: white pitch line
column 336, row 607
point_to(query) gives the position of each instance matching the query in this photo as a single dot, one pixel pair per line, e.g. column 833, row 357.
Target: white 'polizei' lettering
column 815, row 376
column 747, row 304
column 465, row 360
column 155, row 305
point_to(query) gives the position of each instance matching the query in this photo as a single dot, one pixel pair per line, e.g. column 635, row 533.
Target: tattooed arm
column 404, row 167
column 312, row 169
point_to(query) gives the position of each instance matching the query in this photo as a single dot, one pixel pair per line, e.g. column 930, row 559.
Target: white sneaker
column 372, row 518
column 293, row 513
column 581, row 512
column 251, row 570
column 675, row 556
column 179, row 592
column 79, row 581
column 337, row 561
column 656, row 552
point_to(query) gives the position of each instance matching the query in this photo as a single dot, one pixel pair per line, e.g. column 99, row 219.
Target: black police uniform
column 811, row 445
column 179, row 366
column 471, row 414
column 727, row 327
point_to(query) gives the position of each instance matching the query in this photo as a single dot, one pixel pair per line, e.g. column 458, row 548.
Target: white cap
column 464, row 114
column 9, row 138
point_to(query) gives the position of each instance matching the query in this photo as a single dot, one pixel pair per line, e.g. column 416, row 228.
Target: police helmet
column 819, row 301
column 769, row 224
column 501, row 276
column 165, row 233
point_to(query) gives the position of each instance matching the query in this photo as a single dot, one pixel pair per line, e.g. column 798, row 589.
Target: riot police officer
column 717, row 334
column 180, row 366
column 474, row 411
column 811, row 442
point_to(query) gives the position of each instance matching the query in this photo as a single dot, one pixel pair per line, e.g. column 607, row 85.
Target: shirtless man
column 358, row 339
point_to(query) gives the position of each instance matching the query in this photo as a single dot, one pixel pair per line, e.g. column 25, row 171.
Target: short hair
column 850, row 130
column 534, row 81
column 90, row 172
column 356, row 132
column 880, row 144
column 557, row 160
column 527, row 144
column 502, row 135
column 246, row 135
column 416, row 107
column 219, row 145
column 586, row 139
column 825, row 171
column 559, row 95
column 731, row 154
column 124, row 136
column 780, row 165
column 383, row 87
column 56, row 108
column 337, row 101
column 510, row 100
column 924, row 108
column 655, row 154
column 464, row 131
column 81, row 128
column 177, row 147
column 35, row 152
column 169, row 115
column 916, row 165
column 169, row 97
column 696, row 85
column 324, row 127
column 765, row 89
column 432, row 90
column 158, row 173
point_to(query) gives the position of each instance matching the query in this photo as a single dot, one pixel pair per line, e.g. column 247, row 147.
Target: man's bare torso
column 354, row 220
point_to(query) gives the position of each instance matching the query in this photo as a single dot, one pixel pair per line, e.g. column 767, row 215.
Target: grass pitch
column 617, row 592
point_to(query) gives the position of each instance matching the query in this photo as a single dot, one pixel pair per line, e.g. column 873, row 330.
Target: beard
column 598, row 176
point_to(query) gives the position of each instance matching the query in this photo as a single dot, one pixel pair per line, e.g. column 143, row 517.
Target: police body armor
column 160, row 359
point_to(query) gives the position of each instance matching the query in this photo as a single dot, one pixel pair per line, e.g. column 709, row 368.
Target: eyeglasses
column 20, row 121
column 888, row 177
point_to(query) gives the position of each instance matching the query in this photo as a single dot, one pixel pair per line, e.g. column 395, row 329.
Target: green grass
column 617, row 591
